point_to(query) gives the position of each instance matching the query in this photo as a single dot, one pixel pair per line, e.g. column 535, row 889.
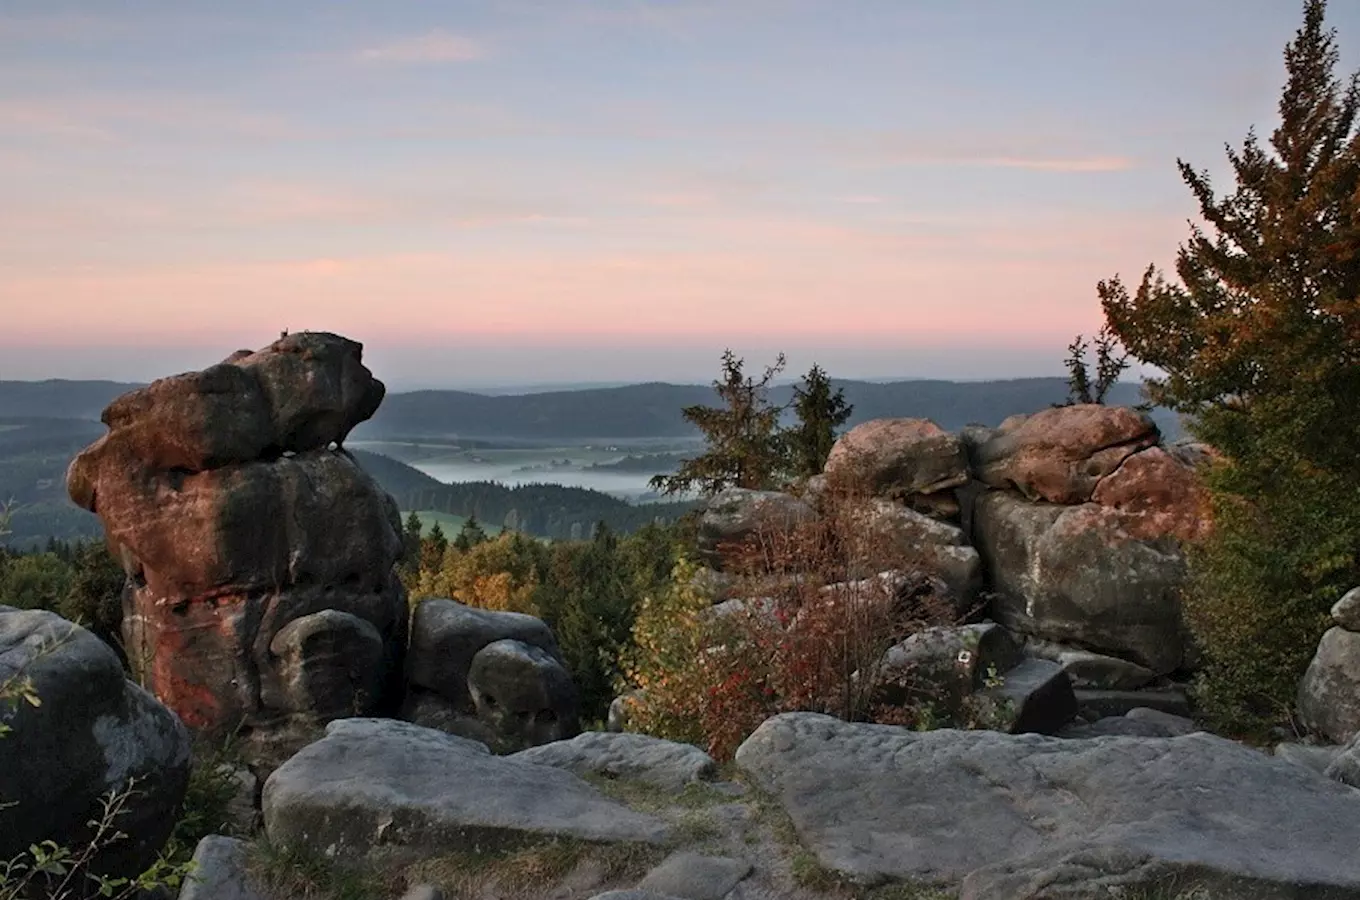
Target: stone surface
column 1073, row 574
column 1035, row 696
column 446, row 635
column 1099, row 704
column 945, row 664
column 94, row 733
column 1062, row 453
column 1046, row 818
column 1329, row 694
column 887, row 535
column 220, row 872
column 617, row 720
column 1159, row 494
column 1312, row 757
column 523, row 694
column 234, row 511
column 1345, row 763
column 633, row 895
column 735, row 515
column 898, row 458
column 423, row 892
column 637, row 757
column 1346, row 611
column 1171, row 724
column 1092, row 670
column 373, row 783
column 696, row 877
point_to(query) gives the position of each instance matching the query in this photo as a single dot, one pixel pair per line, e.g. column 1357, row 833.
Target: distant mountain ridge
column 636, row 411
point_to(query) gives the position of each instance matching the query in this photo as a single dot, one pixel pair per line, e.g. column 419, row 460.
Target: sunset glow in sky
column 561, row 190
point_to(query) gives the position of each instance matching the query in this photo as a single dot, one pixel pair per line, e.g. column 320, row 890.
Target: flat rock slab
column 696, row 877
column 637, row 757
column 1021, row 817
column 381, row 783
column 219, row 871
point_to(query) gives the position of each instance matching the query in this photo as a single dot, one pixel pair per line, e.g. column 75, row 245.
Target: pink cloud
column 436, row 46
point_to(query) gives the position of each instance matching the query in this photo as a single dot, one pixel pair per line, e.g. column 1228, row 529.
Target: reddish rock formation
column 1160, row 494
column 236, row 514
column 1061, row 454
column 902, row 459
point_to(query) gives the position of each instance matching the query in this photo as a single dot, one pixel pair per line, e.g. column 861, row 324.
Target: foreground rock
column 637, row 757
column 1329, row 694
column 381, row 783
column 1075, row 574
column 259, row 555
column 1047, row 818
column 220, row 871
column 94, row 733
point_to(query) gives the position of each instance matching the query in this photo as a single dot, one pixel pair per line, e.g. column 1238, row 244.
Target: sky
column 540, row 191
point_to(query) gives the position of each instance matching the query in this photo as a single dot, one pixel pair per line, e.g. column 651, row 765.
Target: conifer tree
column 1259, row 340
column 820, row 411
column 745, row 448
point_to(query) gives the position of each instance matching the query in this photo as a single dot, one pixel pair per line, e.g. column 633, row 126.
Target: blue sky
column 534, row 191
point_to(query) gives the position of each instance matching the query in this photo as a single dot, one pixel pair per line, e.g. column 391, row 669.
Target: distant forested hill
column 635, row 411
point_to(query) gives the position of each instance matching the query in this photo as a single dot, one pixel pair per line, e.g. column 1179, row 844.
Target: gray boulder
column 219, row 872
column 446, row 635
column 1346, row 611
column 1092, row 670
column 524, row 695
column 1313, row 757
column 1329, row 694
column 945, row 664
column 95, row 733
column 1344, row 765
column 737, row 514
column 637, row 757
column 696, row 877
column 1073, row 574
column 885, row 535
column 1048, row 818
column 329, row 665
column 382, row 784
column 1034, row 696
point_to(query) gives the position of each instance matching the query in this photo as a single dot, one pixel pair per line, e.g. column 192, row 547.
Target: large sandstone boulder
column 1329, row 694
column 634, row 757
column 1160, row 495
column 384, row 785
column 1062, row 453
column 1022, row 817
column 1074, row 574
column 95, row 733
column 736, row 515
column 495, row 677
column 234, row 513
column 899, row 458
column 881, row 534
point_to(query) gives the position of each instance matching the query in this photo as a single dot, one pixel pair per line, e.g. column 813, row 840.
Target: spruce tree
column 744, row 446
column 820, row 411
column 1259, row 340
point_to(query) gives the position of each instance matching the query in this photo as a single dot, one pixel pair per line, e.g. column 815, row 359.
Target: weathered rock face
column 884, row 534
column 1061, row 454
column 1053, row 818
column 944, row 665
column 737, row 514
column 901, row 459
column 637, row 757
column 233, row 518
column 1329, row 694
column 495, row 677
column 94, row 733
column 381, row 784
column 1160, row 495
column 1075, row 574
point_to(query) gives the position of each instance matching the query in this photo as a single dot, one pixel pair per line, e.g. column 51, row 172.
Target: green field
column 448, row 522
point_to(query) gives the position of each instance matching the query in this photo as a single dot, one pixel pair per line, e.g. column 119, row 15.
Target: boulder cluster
column 1059, row 533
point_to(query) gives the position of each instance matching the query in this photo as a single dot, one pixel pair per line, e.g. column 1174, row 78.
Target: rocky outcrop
column 260, row 556
column 736, row 515
column 1076, row 575
column 1329, row 694
column 1047, row 817
column 911, row 460
column 1062, row 454
column 492, row 676
column 94, row 734
column 638, row 757
column 881, row 534
column 383, row 785
column 220, row 872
